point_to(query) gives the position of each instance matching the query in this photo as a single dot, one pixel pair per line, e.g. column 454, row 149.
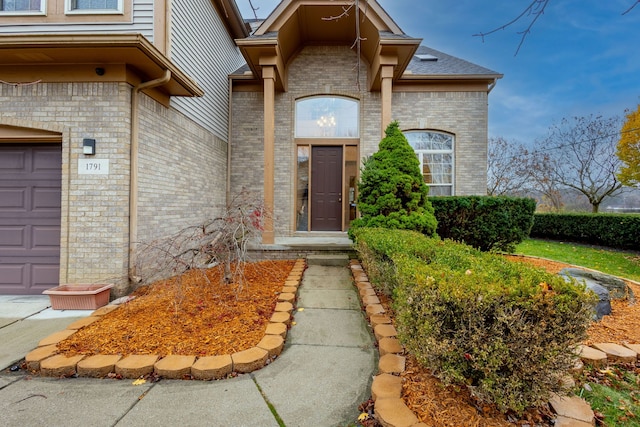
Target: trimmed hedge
column 619, row 231
column 484, row 222
column 505, row 330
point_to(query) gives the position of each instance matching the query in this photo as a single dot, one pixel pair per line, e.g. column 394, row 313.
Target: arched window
column 327, row 117
column 435, row 152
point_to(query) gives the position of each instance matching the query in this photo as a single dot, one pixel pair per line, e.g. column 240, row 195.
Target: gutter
column 133, row 165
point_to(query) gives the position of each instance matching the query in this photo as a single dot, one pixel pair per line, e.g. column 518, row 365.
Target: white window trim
column 453, row 158
column 41, row 12
column 69, row 11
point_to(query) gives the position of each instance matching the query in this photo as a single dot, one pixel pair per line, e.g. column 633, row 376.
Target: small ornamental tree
column 392, row 192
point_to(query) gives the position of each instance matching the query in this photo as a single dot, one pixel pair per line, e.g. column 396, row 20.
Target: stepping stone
column 294, row 276
column 379, row 319
column 212, row 367
column 390, row 345
column 634, row 347
column 617, row 353
column 284, row 307
column 287, row 297
column 281, row 317
column 294, row 283
column 279, row 329
column 81, row 323
column 386, row 386
column 572, row 407
column 370, row 299
column 59, row 366
column 394, row 413
column 56, row 337
column 374, row 309
column 289, row 289
column 591, row 356
column 104, row 310
column 391, row 364
column 136, row 366
column 35, row 357
column 174, row 367
column 97, row 366
column 385, row 331
column 249, row 360
column 273, row 344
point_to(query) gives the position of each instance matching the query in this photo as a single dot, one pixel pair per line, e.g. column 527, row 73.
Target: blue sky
column 582, row 57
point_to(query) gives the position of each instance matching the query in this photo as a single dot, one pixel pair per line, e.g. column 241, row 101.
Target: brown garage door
column 30, row 189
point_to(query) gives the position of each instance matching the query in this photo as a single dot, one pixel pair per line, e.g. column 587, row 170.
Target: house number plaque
column 93, row 166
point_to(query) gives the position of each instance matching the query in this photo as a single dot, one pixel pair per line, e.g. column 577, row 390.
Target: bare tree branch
column 254, row 9
column 631, row 8
column 536, row 8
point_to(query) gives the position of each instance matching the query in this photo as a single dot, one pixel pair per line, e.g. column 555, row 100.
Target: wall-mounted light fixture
column 89, row 146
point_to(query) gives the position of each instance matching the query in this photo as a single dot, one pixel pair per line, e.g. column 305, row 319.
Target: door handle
column 340, row 199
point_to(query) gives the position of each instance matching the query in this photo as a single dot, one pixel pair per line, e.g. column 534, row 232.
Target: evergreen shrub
column 505, row 330
column 618, row 231
column 391, row 192
column 484, row 222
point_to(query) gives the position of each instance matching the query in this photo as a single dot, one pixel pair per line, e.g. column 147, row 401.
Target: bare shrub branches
column 219, row 241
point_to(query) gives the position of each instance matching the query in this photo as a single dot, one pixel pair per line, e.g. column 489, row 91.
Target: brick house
column 125, row 123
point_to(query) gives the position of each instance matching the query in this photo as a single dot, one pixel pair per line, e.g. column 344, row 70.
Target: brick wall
column 463, row 114
column 182, row 170
column 94, row 235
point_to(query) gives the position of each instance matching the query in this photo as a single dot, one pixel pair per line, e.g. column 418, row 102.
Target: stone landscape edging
column 390, row 410
column 47, row 361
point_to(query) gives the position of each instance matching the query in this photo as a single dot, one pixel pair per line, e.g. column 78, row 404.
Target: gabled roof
column 296, row 23
column 431, row 62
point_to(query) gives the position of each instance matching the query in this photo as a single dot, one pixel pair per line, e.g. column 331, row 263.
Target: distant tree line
column 581, row 162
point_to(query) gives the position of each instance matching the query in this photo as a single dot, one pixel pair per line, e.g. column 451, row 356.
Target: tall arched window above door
column 327, row 117
column 435, row 152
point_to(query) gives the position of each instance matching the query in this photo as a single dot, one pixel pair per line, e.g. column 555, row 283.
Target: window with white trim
column 22, row 7
column 94, row 6
column 435, row 152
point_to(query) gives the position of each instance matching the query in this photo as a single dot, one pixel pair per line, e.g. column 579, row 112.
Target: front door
column 326, row 188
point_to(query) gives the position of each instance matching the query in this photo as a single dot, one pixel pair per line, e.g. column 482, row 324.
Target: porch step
column 338, row 260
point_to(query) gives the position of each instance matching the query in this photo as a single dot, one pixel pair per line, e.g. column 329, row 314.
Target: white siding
column 204, row 50
column 142, row 23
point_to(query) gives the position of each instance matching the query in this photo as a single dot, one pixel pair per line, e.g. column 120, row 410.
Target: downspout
column 229, row 129
column 133, row 168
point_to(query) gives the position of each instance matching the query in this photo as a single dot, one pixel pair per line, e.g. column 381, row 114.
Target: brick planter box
column 79, row 297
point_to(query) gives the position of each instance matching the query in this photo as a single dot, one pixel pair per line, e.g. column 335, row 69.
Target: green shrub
column 618, row 231
column 391, row 192
column 484, row 222
column 505, row 330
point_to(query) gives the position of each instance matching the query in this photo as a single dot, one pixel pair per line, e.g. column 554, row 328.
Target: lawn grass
column 617, row 263
column 613, row 394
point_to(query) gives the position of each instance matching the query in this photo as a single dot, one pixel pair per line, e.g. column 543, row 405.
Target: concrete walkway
column 320, row 378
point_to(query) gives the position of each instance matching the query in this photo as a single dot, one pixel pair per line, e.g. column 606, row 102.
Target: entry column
column 269, row 77
column 386, row 90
